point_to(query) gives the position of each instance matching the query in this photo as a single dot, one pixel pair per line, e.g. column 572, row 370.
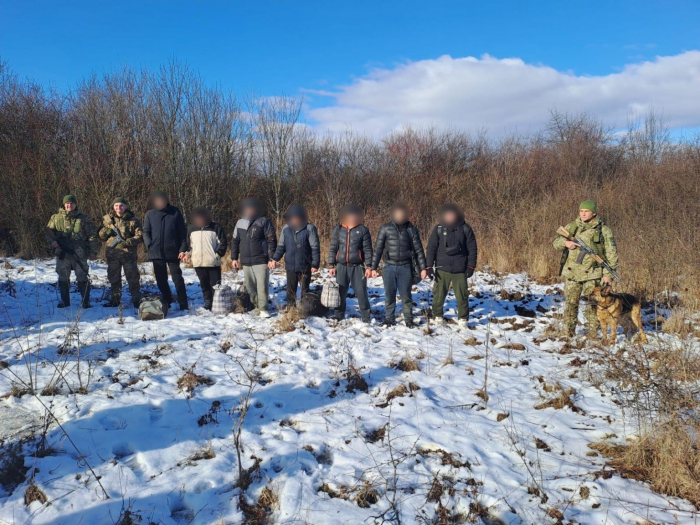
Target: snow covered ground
column 342, row 429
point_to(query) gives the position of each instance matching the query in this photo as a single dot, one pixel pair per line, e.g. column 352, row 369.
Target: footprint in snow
column 156, row 414
column 122, row 450
column 112, row 423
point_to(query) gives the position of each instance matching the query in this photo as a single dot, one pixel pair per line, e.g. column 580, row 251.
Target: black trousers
column 160, row 270
column 208, row 276
column 295, row 279
column 353, row 276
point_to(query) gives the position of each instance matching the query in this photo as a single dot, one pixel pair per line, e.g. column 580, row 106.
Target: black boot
column 115, row 301
column 84, row 287
column 64, row 291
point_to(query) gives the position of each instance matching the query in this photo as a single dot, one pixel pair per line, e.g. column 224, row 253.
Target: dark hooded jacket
column 165, row 234
column 301, row 248
column 398, row 243
column 254, row 238
column 452, row 247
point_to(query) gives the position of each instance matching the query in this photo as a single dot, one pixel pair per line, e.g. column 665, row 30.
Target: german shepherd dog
column 617, row 308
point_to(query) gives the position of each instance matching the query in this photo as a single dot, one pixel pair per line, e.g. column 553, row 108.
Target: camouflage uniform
column 77, row 233
column 122, row 254
column 582, row 278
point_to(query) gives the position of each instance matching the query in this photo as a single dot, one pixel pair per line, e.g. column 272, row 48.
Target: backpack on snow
column 310, row 305
column 224, row 300
column 330, row 296
column 241, row 300
column 152, row 308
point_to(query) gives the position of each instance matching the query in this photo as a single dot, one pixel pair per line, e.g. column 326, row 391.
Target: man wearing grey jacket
column 255, row 241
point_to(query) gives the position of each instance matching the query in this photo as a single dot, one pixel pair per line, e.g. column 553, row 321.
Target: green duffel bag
column 152, row 309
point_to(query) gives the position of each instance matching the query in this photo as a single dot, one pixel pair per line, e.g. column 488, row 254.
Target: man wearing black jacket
column 351, row 246
column 452, row 252
column 165, row 236
column 255, row 240
column 399, row 242
column 300, row 247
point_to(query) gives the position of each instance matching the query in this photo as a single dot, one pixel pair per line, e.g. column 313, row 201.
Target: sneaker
column 112, row 303
column 389, row 322
column 264, row 314
column 410, row 324
column 462, row 323
column 439, row 321
column 62, row 305
column 184, row 306
column 366, row 320
column 339, row 316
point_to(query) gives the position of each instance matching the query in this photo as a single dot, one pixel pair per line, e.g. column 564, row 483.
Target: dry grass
column 34, row 493
column 287, row 321
column 366, row 496
column 561, row 400
column 261, row 512
column 188, row 381
column 681, row 322
column 399, row 391
column 668, row 458
column 408, row 364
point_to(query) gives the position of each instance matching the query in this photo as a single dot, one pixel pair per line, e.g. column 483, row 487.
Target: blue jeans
column 398, row 278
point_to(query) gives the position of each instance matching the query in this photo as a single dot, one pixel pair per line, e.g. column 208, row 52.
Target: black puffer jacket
column 452, row 248
column 301, row 249
column 165, row 234
column 398, row 243
column 350, row 246
column 254, row 240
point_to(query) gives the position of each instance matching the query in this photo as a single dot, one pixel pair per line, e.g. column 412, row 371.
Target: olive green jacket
column 600, row 238
column 75, row 229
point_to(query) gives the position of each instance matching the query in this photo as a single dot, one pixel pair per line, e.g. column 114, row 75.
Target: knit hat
column 159, row 194
column 70, row 198
column 119, row 200
column 295, row 210
column 589, row 205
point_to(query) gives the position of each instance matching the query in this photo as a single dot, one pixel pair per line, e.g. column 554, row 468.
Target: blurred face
column 352, row 219
column 295, row 222
column 160, row 203
column 449, row 217
column 200, row 221
column 70, row 206
column 586, row 215
column 399, row 216
column 119, row 208
column 249, row 211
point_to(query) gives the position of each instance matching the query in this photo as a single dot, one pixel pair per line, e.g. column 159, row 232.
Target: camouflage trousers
column 70, row 263
column 127, row 261
column 572, row 293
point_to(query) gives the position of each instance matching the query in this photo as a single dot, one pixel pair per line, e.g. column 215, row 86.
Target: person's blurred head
column 351, row 215
column 159, row 200
column 250, row 208
column 296, row 216
column 70, row 203
column 450, row 214
column 399, row 213
column 119, row 205
column 201, row 217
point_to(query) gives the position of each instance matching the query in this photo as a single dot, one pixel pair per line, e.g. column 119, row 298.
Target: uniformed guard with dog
column 581, row 271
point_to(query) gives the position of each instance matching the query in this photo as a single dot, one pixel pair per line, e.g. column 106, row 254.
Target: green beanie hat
column 119, row 200
column 589, row 205
column 70, row 198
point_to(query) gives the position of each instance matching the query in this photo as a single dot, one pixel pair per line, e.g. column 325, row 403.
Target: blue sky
column 276, row 47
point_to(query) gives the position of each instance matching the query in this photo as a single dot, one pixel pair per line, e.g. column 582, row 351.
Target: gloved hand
column 469, row 272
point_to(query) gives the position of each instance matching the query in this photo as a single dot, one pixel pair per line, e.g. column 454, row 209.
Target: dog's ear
column 606, row 290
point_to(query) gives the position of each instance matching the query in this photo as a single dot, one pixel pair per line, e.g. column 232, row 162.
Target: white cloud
column 506, row 95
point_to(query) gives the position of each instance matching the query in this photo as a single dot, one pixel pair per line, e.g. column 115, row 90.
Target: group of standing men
column 450, row 256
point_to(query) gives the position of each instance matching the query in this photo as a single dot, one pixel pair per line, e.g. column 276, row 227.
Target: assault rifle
column 587, row 250
column 118, row 239
column 65, row 247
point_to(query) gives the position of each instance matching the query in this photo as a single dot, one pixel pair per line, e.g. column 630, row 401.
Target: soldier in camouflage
column 581, row 275
column 121, row 230
column 73, row 238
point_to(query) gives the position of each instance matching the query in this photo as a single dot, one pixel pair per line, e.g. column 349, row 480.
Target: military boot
column 84, row 287
column 64, row 291
column 115, row 301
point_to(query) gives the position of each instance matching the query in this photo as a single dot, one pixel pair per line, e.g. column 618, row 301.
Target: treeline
column 130, row 132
